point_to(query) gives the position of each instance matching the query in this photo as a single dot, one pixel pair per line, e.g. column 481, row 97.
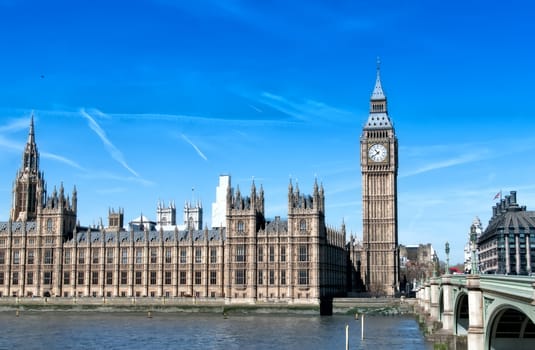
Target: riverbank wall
column 379, row 306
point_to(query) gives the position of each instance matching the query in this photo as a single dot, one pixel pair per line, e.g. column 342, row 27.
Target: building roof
column 378, row 93
column 509, row 217
column 144, row 236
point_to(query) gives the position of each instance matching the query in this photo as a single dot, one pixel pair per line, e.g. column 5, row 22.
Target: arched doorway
column 511, row 329
column 461, row 315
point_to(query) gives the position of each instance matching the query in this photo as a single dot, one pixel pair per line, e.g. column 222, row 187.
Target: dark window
column 198, row 276
column 283, row 254
column 124, row 277
column 2, row 257
column 213, row 277
column 15, row 278
column 29, row 278
column 49, row 256
column 153, row 255
column 153, row 277
column 240, row 253
column 81, row 256
column 94, row 277
column 124, row 256
column 31, row 257
column 271, row 253
column 47, row 277
column 1, row 277
column 80, row 277
column 139, row 255
column 213, row 255
column 109, row 277
column 260, row 277
column 260, row 254
column 303, row 277
column 198, row 255
column 16, row 257
column 271, row 277
column 167, row 277
column 66, row 278
column 95, row 255
column 109, row 256
column 303, row 253
column 182, row 277
column 240, row 277
column 283, row 277
column 138, row 277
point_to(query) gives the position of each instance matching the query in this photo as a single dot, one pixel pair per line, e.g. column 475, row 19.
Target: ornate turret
column 56, row 213
column 29, row 187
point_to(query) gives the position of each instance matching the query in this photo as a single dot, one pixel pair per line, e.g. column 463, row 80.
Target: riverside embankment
column 378, row 306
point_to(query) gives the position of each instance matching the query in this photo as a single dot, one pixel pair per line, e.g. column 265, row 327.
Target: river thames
column 119, row 330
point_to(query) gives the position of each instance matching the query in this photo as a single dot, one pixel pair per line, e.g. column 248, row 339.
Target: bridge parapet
column 517, row 287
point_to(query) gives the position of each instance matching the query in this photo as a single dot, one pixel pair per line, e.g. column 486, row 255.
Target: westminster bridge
column 491, row 311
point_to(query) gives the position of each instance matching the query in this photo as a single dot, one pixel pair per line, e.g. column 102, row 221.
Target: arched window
column 241, row 226
column 49, row 225
column 303, row 225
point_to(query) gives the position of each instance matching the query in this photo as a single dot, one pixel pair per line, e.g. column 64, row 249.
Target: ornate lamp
column 473, row 241
column 447, row 271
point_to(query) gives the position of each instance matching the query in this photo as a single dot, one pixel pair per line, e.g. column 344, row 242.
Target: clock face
column 377, row 153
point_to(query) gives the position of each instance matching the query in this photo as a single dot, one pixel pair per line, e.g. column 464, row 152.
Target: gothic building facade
column 379, row 265
column 44, row 252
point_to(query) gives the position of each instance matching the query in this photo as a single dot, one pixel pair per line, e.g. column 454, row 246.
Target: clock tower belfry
column 379, row 167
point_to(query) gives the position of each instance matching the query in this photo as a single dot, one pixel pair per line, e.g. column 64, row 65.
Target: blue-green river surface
column 120, row 330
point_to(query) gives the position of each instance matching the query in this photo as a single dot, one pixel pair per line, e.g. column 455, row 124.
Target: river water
column 118, row 330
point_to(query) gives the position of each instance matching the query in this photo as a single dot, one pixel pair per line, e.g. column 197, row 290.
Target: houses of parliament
column 245, row 257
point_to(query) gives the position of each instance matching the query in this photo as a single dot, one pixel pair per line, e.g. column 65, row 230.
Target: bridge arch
column 510, row 328
column 461, row 314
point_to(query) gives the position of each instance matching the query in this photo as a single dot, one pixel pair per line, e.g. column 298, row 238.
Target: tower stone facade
column 379, row 167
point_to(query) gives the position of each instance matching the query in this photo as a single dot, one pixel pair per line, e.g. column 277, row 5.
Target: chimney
column 513, row 198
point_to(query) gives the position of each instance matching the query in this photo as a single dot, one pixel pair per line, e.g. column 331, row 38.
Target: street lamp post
column 473, row 240
column 447, row 270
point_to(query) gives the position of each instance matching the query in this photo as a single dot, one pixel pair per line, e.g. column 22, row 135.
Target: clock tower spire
column 379, row 167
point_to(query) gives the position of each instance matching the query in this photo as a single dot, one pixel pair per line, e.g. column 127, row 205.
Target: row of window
column 31, row 241
column 80, row 278
column 303, row 255
column 240, row 226
column 95, row 256
column 302, row 277
column 240, row 277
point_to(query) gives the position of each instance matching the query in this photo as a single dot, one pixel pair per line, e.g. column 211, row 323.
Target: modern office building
column 507, row 246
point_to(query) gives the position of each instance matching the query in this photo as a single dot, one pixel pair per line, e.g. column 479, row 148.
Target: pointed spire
column 31, row 133
column 378, row 117
column 378, row 93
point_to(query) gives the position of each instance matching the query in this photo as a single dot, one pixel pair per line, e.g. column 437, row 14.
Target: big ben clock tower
column 379, row 166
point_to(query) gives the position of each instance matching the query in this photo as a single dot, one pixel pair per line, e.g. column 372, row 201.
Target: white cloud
column 199, row 152
column 62, row 160
column 114, row 152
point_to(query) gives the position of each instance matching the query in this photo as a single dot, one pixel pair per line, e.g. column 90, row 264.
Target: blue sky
column 142, row 101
